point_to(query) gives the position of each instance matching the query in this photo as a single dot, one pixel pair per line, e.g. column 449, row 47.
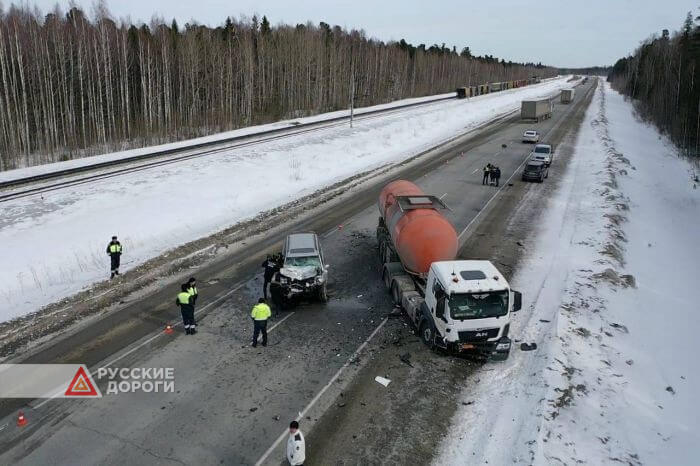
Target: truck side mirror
column 440, row 307
column 517, row 301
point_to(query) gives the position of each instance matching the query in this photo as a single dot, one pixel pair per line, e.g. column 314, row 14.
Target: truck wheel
column 427, row 334
column 387, row 279
column 323, row 294
column 395, row 294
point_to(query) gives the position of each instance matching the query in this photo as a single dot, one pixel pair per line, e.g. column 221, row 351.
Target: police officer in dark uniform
column 192, row 289
column 114, row 249
column 271, row 266
column 186, row 302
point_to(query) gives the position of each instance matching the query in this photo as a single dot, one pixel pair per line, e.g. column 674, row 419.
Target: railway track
column 159, row 158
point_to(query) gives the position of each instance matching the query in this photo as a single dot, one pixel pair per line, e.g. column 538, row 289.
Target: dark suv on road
column 535, row 170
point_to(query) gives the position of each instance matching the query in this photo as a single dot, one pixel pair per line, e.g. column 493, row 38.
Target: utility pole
column 352, row 92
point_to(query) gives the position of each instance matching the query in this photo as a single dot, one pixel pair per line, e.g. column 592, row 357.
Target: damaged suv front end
column 303, row 274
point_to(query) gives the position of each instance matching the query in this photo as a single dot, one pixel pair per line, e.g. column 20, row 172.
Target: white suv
column 531, row 136
column 542, row 153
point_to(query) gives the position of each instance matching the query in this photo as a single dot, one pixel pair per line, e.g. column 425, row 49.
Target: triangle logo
column 82, row 385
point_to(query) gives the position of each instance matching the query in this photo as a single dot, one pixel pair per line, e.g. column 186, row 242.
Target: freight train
column 473, row 91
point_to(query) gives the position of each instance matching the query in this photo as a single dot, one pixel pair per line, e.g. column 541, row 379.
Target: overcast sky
column 562, row 33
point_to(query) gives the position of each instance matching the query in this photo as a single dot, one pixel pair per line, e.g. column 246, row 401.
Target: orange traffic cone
column 168, row 329
column 21, row 420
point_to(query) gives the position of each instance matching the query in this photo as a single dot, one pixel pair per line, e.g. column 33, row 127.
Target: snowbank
column 54, row 246
column 608, row 294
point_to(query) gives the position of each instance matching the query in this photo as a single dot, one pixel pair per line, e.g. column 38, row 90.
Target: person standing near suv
column 271, row 266
column 260, row 313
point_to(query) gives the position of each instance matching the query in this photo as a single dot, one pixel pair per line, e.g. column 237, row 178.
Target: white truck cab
column 466, row 306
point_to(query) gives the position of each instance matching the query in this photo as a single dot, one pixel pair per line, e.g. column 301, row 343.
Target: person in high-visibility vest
column 260, row 313
column 114, row 249
column 186, row 302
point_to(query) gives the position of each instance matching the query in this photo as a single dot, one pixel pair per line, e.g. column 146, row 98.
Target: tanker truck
column 455, row 305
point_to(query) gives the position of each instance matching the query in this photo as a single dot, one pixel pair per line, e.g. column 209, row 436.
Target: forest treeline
column 663, row 76
column 73, row 85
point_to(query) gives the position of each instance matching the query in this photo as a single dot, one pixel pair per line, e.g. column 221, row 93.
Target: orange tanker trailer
column 420, row 234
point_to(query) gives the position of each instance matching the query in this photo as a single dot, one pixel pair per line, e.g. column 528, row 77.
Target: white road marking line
column 323, row 390
column 475, row 170
column 442, row 196
column 493, row 197
column 278, row 323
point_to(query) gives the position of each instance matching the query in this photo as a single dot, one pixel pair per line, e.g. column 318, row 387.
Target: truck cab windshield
column 478, row 305
column 303, row 261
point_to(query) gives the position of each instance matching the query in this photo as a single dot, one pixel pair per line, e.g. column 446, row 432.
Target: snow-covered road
column 54, row 245
column 609, row 297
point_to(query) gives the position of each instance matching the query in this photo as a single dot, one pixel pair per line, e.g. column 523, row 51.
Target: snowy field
column 609, row 297
column 54, row 246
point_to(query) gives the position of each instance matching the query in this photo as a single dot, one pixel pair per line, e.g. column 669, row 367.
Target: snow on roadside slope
column 246, row 131
column 54, row 246
column 609, row 296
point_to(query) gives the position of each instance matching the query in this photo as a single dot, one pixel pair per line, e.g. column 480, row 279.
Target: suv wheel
column 323, row 294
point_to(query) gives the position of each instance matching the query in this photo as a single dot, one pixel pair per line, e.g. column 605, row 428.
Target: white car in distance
column 531, row 136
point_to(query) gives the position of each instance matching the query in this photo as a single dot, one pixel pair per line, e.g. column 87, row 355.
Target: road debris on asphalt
column 406, row 359
column 528, row 346
column 382, row 380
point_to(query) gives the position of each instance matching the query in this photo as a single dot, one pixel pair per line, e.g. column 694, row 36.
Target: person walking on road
column 114, row 249
column 186, row 302
column 296, row 446
column 260, row 313
column 271, row 267
column 487, row 170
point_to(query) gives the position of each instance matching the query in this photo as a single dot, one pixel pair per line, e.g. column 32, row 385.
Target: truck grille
column 478, row 335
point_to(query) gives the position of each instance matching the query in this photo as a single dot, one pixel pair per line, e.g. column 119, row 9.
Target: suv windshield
column 303, row 261
column 542, row 150
column 478, row 305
